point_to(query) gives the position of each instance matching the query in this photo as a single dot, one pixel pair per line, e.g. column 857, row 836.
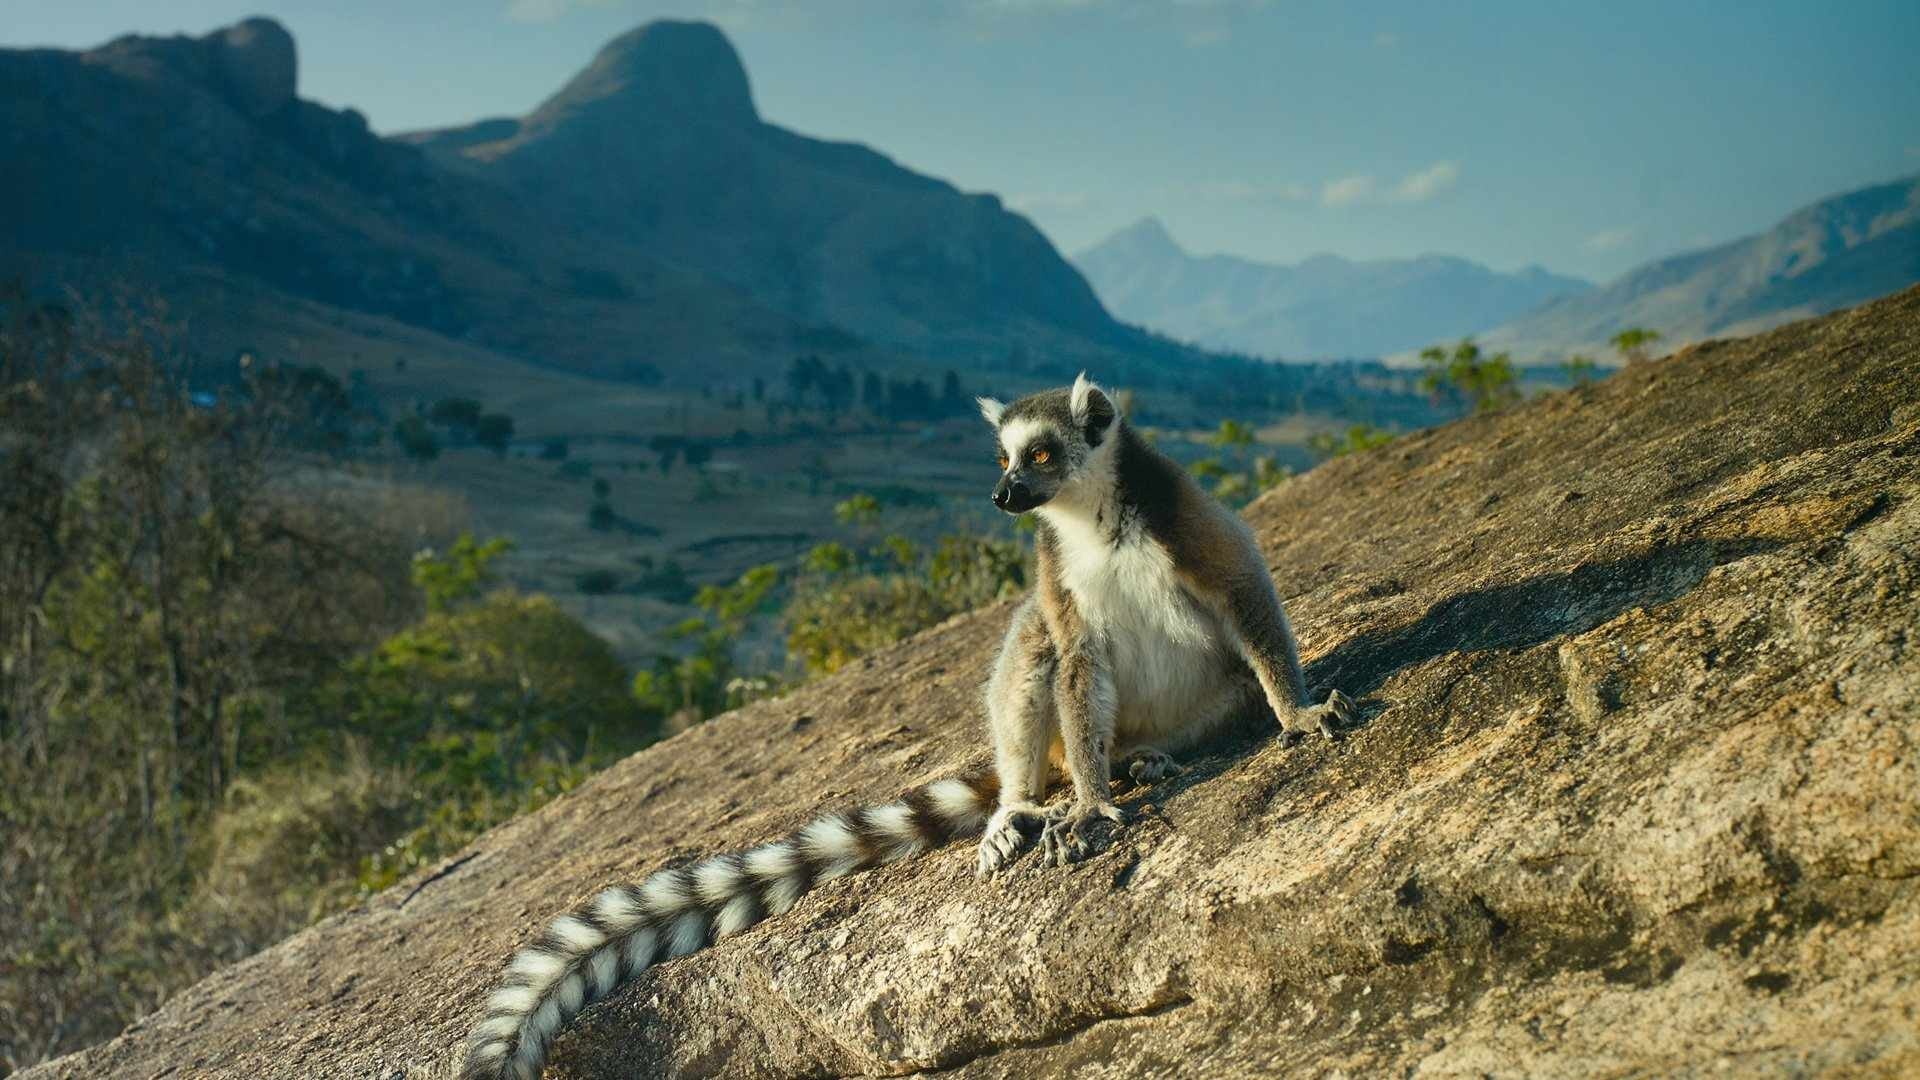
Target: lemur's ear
column 992, row 409
column 1090, row 407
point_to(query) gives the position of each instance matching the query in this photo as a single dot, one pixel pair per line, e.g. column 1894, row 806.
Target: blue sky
column 1586, row 138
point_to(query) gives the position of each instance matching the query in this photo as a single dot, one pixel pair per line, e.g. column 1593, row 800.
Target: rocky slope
column 1839, row 251
column 1323, row 307
column 1637, row 792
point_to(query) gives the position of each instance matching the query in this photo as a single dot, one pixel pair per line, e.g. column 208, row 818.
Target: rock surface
column 1637, row 792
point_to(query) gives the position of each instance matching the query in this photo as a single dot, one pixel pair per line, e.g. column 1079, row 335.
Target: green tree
column 495, row 432
column 1486, row 382
column 598, row 582
column 1632, row 343
column 462, row 414
column 1233, row 435
column 1579, row 369
column 416, row 439
column 447, row 581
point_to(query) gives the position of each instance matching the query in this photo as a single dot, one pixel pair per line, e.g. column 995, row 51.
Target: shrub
column 1355, row 439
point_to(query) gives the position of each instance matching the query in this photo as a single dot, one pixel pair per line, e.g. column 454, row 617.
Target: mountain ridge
column 1841, row 250
column 642, row 218
column 824, row 231
column 1322, row 306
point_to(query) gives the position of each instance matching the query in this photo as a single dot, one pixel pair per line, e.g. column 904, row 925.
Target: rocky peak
column 251, row 65
column 1147, row 237
column 257, row 60
column 665, row 69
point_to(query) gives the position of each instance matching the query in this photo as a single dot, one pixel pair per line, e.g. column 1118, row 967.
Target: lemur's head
column 1048, row 442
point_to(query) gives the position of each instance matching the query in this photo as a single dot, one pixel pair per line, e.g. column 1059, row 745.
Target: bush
column 597, row 582
column 836, row 615
column 1355, row 439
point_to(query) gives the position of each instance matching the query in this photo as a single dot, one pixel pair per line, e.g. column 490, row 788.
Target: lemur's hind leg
column 1021, row 712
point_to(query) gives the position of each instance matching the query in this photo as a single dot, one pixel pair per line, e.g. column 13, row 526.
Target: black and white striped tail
column 624, row 929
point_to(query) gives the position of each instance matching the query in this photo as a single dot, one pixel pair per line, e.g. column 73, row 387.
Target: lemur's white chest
column 1167, row 652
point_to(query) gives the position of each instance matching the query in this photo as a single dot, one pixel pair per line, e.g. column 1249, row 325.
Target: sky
column 1586, row 138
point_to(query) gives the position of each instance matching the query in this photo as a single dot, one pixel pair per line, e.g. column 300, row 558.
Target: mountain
column 643, row 218
column 1832, row 254
column 658, row 143
column 1635, row 794
column 1325, row 306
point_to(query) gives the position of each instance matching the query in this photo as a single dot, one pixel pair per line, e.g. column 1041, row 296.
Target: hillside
column 147, row 157
column 1636, row 792
column 1323, row 307
column 1837, row 252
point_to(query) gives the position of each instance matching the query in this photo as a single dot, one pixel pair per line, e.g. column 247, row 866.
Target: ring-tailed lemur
column 1152, row 623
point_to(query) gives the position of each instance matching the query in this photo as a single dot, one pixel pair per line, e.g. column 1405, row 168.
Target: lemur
column 1152, row 623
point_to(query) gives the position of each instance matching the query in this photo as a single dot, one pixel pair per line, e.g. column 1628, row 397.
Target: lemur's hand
column 1009, row 832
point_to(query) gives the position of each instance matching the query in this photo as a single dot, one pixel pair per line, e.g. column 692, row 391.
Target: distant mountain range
column 1324, row 307
column 642, row 220
column 1833, row 254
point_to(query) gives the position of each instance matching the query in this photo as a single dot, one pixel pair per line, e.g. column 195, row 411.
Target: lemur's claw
column 1008, row 833
column 1076, row 835
column 1327, row 718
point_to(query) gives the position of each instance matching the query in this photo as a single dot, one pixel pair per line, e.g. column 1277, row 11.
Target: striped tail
column 620, row 932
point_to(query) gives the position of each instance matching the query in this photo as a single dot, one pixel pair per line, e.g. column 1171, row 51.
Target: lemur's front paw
column 1149, row 766
column 1327, row 718
column 1008, row 833
column 1079, row 833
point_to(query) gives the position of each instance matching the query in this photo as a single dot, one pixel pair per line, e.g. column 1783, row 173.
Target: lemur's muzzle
column 1014, row 496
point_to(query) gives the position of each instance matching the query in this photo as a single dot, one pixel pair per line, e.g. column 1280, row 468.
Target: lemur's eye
column 1040, row 457
column 1003, row 462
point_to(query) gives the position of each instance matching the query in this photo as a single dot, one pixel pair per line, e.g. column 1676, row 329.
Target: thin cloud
column 1348, row 190
column 1608, row 240
column 1428, row 182
column 1384, row 40
column 1415, row 187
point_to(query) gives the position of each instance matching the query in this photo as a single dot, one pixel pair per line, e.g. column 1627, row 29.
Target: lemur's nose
column 1000, row 497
